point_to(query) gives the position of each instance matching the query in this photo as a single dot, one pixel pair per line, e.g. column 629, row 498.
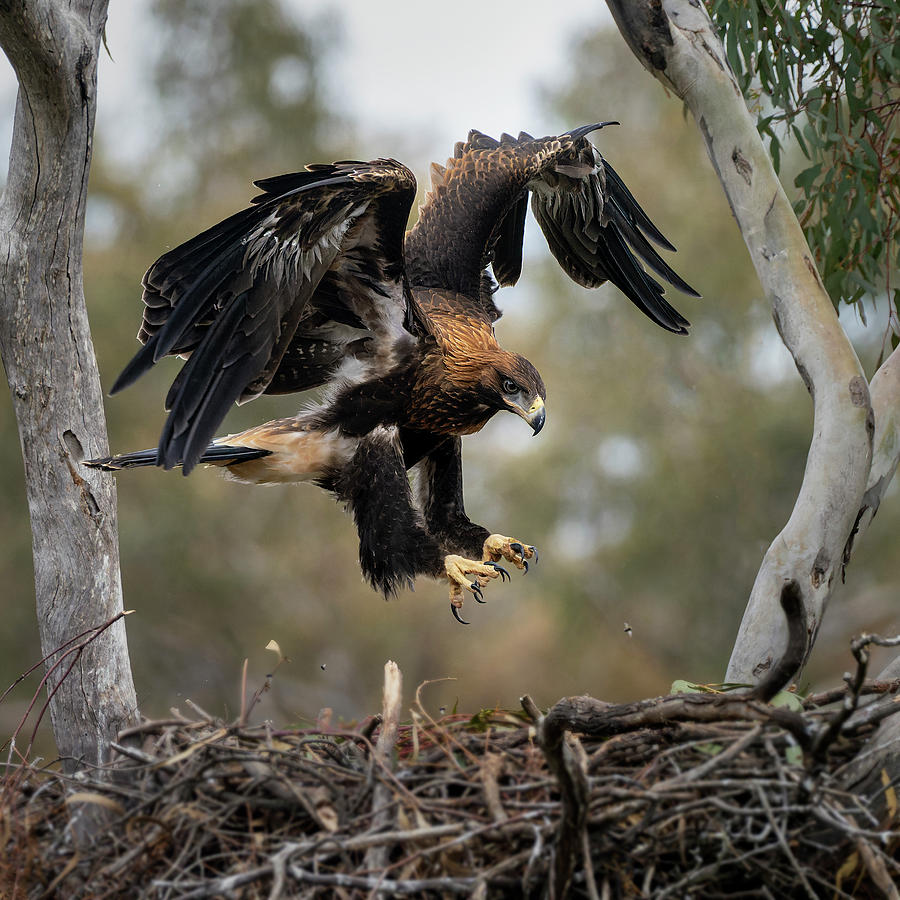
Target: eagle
column 318, row 284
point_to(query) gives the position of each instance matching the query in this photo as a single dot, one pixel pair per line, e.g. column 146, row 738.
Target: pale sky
column 424, row 69
column 447, row 67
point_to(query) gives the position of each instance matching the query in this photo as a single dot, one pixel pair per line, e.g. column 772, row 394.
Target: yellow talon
column 458, row 567
column 466, row 574
column 498, row 546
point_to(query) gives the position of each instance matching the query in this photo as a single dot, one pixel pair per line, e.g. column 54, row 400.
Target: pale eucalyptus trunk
column 676, row 42
column 856, row 434
column 46, row 348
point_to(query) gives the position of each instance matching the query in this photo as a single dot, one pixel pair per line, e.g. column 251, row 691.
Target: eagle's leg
column 441, row 490
column 460, row 572
column 394, row 545
column 441, row 499
column 498, row 546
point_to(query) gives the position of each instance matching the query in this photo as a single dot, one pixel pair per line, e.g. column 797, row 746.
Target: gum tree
column 826, row 76
column 49, row 360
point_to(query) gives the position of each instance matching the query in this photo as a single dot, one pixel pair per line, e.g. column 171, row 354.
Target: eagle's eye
column 509, row 386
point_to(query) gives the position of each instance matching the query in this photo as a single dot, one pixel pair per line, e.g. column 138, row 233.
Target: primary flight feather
column 317, row 284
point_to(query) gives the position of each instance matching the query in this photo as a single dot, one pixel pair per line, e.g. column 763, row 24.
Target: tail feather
column 215, row 454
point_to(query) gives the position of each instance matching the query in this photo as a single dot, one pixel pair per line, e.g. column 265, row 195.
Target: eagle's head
column 515, row 384
column 468, row 377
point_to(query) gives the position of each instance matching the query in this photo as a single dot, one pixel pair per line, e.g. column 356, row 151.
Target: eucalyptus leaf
column 827, row 73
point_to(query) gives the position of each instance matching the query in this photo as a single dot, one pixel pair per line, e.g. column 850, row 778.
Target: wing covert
column 474, row 217
column 234, row 297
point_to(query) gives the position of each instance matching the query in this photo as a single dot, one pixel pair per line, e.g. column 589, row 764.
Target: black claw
column 534, row 550
column 504, row 575
column 476, row 591
column 516, row 547
column 525, row 565
column 457, row 616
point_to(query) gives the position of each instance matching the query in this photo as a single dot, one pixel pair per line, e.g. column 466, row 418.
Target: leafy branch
column 826, row 74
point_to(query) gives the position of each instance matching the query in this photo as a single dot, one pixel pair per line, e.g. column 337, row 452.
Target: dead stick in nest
column 445, row 884
column 873, row 687
column 570, row 769
column 585, row 715
column 860, row 649
column 780, row 675
column 589, row 716
column 382, row 796
column 278, row 866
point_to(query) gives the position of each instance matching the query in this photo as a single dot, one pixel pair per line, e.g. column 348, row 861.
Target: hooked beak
column 536, row 415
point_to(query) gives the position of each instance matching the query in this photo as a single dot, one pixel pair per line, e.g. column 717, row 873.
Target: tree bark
column 675, row 40
column 865, row 774
column 48, row 356
column 884, row 390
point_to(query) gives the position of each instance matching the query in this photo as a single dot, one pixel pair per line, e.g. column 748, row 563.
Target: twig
column 490, row 768
column 444, row 884
column 779, row 833
column 242, row 718
column 874, row 686
column 382, row 797
column 74, row 650
column 860, row 649
column 719, row 759
column 588, row 716
column 571, row 773
column 780, row 675
column 877, row 870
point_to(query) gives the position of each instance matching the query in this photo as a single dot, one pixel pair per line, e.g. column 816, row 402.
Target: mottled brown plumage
column 315, row 284
column 455, row 386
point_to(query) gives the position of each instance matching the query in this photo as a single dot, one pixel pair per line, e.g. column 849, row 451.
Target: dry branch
column 382, row 797
column 699, row 793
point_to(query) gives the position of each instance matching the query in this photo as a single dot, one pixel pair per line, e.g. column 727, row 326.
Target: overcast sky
column 427, row 69
column 451, row 66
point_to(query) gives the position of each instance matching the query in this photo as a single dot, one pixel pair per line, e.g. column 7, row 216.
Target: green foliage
column 825, row 73
column 788, row 700
column 793, row 755
column 680, row 686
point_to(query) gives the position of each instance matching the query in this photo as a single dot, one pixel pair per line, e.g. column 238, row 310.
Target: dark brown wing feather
column 506, row 260
column 320, row 253
column 474, row 217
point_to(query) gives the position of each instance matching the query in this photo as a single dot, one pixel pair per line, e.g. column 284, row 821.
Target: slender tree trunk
column 48, row 356
column 856, row 437
column 675, row 40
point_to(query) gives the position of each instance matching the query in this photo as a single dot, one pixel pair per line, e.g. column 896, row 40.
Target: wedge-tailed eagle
column 318, row 283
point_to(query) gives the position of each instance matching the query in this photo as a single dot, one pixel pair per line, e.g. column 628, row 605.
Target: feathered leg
column 394, row 543
column 441, row 499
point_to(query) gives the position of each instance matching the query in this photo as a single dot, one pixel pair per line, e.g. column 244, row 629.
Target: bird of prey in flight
column 317, row 283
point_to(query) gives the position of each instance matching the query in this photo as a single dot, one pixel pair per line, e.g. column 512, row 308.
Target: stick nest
column 703, row 795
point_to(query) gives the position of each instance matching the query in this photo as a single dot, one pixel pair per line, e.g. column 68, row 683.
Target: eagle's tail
column 215, row 454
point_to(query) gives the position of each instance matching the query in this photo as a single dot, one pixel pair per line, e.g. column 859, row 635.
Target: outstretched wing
column 474, row 217
column 273, row 297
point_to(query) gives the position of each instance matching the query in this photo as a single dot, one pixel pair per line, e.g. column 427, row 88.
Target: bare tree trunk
column 865, row 774
column 676, row 42
column 48, row 355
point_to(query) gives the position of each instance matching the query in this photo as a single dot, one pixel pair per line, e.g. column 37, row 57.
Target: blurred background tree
column 665, row 468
